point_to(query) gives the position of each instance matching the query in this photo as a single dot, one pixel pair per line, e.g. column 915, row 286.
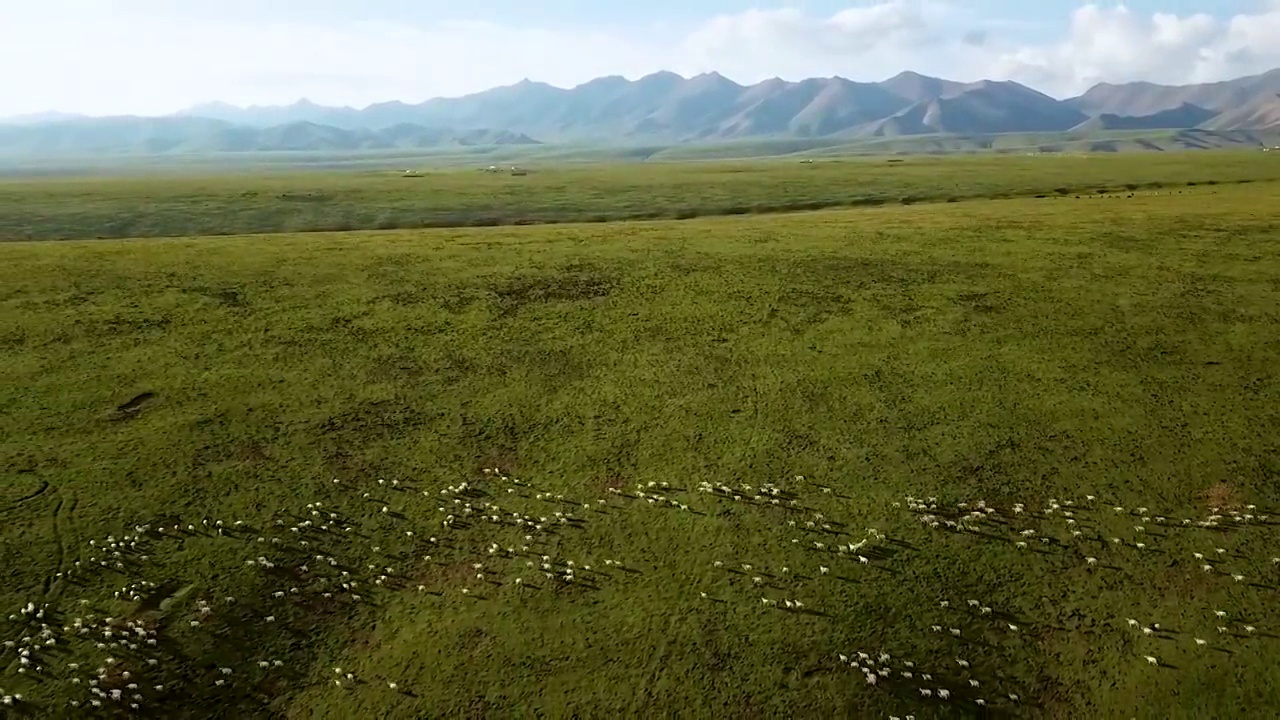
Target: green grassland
column 654, row 149
column 251, row 471
column 221, row 204
column 1101, row 141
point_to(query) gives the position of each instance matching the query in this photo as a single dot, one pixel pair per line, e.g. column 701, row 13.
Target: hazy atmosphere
column 159, row 56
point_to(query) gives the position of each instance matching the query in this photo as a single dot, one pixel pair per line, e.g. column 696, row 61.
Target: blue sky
column 157, row 56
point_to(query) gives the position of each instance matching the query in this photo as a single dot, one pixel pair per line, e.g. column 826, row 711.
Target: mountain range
column 667, row 108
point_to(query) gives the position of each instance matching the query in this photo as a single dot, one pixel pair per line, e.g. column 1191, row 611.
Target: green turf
column 1020, row 351
column 221, row 204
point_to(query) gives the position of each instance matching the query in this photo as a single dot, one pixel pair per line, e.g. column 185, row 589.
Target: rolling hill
column 665, row 109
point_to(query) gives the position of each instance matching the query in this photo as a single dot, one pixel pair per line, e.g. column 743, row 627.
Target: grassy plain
column 191, row 163
column 1034, row 351
column 228, row 204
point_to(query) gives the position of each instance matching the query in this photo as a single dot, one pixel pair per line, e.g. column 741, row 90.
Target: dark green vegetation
column 84, row 208
column 291, row 413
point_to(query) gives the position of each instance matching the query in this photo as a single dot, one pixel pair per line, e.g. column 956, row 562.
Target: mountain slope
column 920, row 88
column 1184, row 116
column 810, row 108
column 692, row 106
column 1144, row 98
column 1261, row 114
column 980, row 108
column 841, row 104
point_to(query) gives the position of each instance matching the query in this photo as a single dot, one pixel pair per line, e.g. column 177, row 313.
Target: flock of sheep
column 142, row 635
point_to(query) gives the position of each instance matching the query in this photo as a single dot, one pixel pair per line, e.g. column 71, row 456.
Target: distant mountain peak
column 664, row 78
column 711, row 80
column 524, row 84
column 665, row 106
column 910, row 75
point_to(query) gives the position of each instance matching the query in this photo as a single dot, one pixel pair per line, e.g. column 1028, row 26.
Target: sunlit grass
column 236, row 203
column 742, row 466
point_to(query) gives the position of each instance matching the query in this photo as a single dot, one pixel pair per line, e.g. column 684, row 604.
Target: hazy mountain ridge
column 664, row 107
column 709, row 106
column 1144, row 98
column 172, row 135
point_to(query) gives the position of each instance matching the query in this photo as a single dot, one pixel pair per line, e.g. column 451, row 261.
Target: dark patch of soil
column 1222, row 495
column 505, row 463
column 568, row 283
column 133, row 407
column 137, row 402
column 609, row 482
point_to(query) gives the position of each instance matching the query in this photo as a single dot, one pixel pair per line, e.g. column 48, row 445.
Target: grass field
column 732, row 454
column 559, row 154
column 222, row 204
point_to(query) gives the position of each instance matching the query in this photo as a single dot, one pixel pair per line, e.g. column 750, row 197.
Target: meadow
column 183, row 203
column 992, row 458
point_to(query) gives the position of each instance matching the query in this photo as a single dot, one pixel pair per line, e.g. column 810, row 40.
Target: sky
column 151, row 57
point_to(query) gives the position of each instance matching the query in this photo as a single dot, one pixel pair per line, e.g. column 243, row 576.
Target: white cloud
column 1117, row 44
column 759, row 44
column 149, row 56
